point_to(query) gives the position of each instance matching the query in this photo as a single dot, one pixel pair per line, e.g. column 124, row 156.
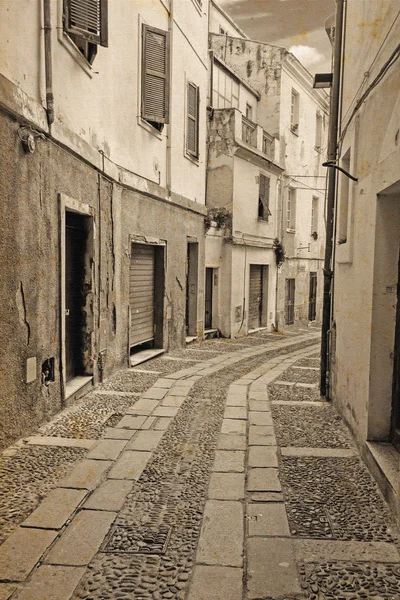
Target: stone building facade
column 365, row 323
column 103, row 131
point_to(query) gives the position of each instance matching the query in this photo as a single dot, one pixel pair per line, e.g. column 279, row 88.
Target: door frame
column 68, row 204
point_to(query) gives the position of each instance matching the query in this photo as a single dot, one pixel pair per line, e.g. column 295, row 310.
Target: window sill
column 192, row 159
column 290, row 231
column 143, row 123
column 263, row 220
column 295, row 131
column 69, row 45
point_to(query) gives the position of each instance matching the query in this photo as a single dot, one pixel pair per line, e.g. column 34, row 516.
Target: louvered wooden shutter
column 155, row 75
column 264, row 194
column 87, row 19
column 192, row 136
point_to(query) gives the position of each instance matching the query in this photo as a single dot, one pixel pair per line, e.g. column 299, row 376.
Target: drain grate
column 131, row 540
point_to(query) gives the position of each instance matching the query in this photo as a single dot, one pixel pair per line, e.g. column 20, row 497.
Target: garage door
column 255, row 296
column 141, row 294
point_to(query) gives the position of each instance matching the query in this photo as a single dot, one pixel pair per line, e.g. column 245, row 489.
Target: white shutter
column 87, row 19
column 192, row 142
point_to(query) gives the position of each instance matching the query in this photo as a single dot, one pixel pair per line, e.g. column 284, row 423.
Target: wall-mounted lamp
column 323, row 80
column 28, row 137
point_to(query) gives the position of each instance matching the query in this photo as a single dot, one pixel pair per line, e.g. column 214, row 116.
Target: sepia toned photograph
column 200, row 300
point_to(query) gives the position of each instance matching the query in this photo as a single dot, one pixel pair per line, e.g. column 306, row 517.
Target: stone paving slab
column 267, row 497
column 226, row 486
column 110, row 495
column 208, row 583
column 271, row 571
column 22, row 550
column 221, row 537
column 163, row 383
column 86, row 475
column 235, row 412
column 52, row 583
column 260, row 419
column 145, row 440
column 237, row 390
column 261, row 430
column 319, row 452
column 144, row 406
column 233, row 426
column 130, row 465
column 6, row 590
column 129, row 422
column 259, row 405
column 228, row 441
column 162, row 423
column 62, row 442
column 155, row 393
column 180, row 390
column 55, row 509
column 262, row 456
column 229, row 460
column 267, row 519
column 263, row 480
column 261, row 440
column 107, row 450
column 176, row 401
column 333, row 550
column 82, row 538
column 260, row 396
column 166, row 411
column 148, row 423
column 114, row 433
column 234, row 400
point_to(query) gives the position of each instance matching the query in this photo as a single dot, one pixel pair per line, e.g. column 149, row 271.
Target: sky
column 297, row 25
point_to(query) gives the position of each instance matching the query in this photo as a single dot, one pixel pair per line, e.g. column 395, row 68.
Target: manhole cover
column 130, row 540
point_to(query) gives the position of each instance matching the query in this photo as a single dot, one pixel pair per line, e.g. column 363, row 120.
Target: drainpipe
column 171, row 62
column 48, row 62
column 330, row 210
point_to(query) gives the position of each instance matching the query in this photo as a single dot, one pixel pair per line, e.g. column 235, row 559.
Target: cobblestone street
column 210, row 473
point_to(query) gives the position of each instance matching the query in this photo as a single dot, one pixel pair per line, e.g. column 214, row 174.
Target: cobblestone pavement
column 214, row 472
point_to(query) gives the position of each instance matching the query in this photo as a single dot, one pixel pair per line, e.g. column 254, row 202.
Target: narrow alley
column 213, row 472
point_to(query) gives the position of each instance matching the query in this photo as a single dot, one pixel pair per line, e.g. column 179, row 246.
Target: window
column 225, row 89
column 263, row 198
column 192, row 112
column 155, row 76
column 314, row 217
column 294, row 115
column 86, row 22
column 290, row 293
column 249, row 112
column 291, row 210
column 318, row 131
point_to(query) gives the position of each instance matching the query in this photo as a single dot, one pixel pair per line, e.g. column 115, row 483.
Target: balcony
column 249, row 132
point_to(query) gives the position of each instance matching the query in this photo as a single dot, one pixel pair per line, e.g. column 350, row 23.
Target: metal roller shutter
column 141, row 294
column 255, row 296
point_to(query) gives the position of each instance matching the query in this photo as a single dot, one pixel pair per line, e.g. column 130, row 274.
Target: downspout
column 48, row 62
column 330, row 211
column 169, row 144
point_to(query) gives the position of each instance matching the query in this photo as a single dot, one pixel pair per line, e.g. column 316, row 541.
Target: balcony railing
column 249, row 135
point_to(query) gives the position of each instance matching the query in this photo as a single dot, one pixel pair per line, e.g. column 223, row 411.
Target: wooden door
column 312, row 301
column 255, row 296
column 395, row 423
column 208, row 299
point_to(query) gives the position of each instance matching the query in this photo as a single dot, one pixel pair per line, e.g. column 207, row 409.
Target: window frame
column 193, row 154
column 314, row 215
column 318, row 131
column 157, row 122
column 264, row 211
column 294, row 111
column 291, row 210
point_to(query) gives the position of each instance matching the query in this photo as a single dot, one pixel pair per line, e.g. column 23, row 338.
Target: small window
column 314, row 217
column 291, row 210
column 294, row 116
column 86, row 22
column 155, row 76
column 192, row 110
column 249, row 112
column 225, row 89
column 318, row 131
column 263, row 198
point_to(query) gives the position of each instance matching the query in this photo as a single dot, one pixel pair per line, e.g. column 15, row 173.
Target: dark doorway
column 255, row 296
column 77, row 286
column 395, row 422
column 141, row 294
column 191, row 288
column 312, row 301
column 208, row 298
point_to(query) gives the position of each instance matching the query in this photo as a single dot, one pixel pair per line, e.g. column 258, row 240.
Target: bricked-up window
column 263, row 198
column 192, row 131
column 86, row 22
column 155, row 76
